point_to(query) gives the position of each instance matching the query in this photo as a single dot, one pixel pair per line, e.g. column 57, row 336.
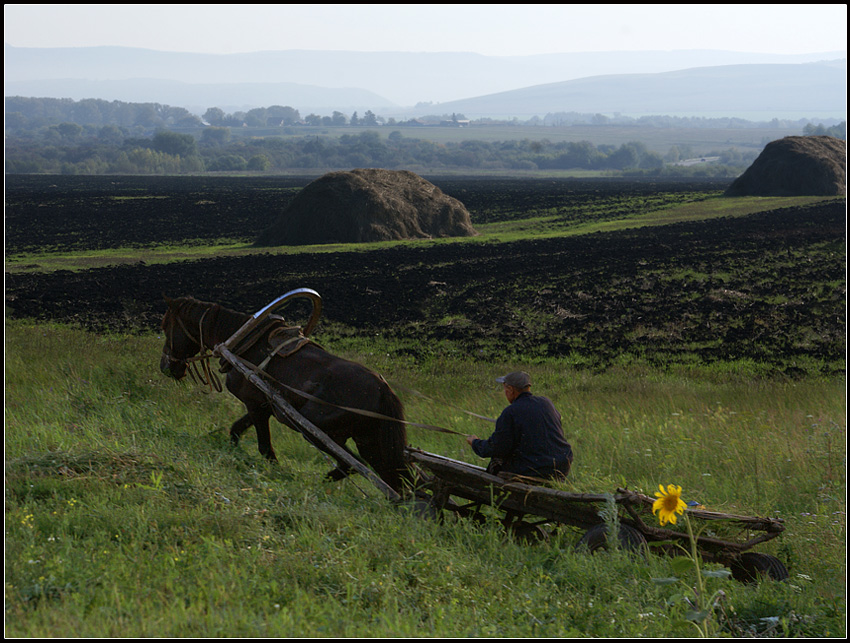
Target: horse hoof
column 336, row 475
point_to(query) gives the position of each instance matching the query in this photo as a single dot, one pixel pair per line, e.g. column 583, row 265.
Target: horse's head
column 180, row 342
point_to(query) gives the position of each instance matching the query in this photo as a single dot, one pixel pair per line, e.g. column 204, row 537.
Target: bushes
column 116, row 151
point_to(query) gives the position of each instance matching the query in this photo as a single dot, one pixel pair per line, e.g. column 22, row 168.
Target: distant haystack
column 796, row 166
column 368, row 205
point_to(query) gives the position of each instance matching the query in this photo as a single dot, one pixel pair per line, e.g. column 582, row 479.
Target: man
column 528, row 439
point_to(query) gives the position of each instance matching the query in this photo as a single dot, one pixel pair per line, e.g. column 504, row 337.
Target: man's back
column 528, row 438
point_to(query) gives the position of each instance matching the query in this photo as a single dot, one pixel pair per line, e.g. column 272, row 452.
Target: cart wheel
column 750, row 567
column 528, row 533
column 596, row 538
column 426, row 509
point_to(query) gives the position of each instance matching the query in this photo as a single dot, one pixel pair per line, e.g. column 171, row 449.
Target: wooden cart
column 530, row 508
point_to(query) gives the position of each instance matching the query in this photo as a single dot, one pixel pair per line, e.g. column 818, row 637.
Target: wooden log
column 463, row 472
column 473, row 483
column 770, row 525
column 298, row 420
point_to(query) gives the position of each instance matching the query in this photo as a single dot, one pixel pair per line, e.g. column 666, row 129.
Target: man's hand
column 470, row 439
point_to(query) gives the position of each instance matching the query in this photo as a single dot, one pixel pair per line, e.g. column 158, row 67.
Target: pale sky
column 493, row 30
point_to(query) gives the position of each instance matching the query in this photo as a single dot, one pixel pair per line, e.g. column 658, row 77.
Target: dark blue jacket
column 528, row 438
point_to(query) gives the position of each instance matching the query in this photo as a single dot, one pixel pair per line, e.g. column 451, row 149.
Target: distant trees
column 175, row 144
column 582, row 154
column 215, row 136
column 838, row 131
column 105, row 150
column 32, row 113
column 586, row 156
column 61, row 135
column 273, row 116
column 215, row 116
column 259, row 163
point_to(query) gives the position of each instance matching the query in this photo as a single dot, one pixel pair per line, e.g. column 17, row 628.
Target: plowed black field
column 768, row 287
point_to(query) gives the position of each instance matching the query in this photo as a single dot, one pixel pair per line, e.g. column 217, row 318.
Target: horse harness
column 281, row 346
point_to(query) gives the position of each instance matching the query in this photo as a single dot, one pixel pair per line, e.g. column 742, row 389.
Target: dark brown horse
column 191, row 326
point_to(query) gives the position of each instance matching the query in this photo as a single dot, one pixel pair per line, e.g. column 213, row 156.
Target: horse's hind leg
column 239, row 427
column 343, row 469
column 382, row 447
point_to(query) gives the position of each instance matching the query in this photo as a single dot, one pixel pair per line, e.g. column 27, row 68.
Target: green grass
column 129, row 514
column 711, row 207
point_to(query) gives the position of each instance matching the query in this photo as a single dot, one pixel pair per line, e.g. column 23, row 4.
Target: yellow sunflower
column 669, row 504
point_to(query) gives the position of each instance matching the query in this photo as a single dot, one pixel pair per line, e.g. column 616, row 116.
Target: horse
column 324, row 388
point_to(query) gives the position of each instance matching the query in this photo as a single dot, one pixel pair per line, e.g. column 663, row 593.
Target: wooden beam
column 289, row 412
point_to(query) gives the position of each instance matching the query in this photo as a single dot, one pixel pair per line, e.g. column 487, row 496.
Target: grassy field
column 129, row 514
column 700, row 140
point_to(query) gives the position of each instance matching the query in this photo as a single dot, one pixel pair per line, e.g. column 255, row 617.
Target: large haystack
column 796, row 166
column 368, row 205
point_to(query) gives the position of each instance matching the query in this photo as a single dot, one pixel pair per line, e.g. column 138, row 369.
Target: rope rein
column 371, row 414
column 202, row 374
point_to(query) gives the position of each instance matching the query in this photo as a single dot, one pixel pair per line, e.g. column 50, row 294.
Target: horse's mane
column 188, row 305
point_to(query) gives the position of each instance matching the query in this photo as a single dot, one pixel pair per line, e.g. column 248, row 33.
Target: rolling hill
column 813, row 89
column 696, row 82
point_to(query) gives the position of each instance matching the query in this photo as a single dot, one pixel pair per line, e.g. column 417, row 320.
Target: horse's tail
column 384, row 448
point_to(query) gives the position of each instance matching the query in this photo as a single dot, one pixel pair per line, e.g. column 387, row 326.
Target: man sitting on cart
column 528, row 439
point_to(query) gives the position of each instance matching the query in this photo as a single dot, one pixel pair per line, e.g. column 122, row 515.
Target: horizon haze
column 396, row 85
column 403, row 59
column 490, row 30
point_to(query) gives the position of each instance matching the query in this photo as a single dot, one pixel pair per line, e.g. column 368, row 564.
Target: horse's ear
column 168, row 300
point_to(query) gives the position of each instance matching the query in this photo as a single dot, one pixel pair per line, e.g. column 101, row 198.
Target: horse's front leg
column 239, row 427
column 258, row 414
column 260, row 419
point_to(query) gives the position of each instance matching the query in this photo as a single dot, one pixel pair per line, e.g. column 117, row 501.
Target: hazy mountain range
column 749, row 91
column 708, row 83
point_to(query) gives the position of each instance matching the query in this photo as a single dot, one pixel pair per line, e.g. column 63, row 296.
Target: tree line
column 134, row 138
column 72, row 149
column 31, row 114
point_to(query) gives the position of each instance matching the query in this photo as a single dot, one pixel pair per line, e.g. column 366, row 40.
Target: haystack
column 796, row 166
column 368, row 205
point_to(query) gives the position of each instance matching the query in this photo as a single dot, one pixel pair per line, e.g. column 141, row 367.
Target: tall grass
column 129, row 514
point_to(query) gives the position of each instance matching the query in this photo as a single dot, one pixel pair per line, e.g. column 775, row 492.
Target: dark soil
column 65, row 213
column 768, row 288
